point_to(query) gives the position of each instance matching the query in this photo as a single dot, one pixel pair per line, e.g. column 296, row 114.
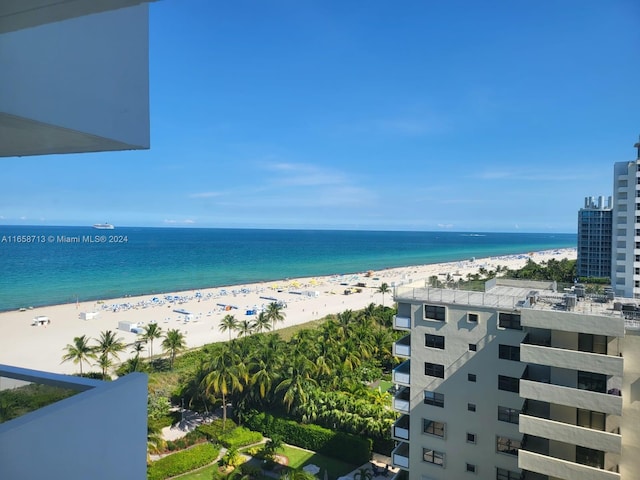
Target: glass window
column 508, row 384
column 503, row 474
column 590, row 419
column 509, row 320
column 433, row 398
column 471, row 407
column 434, row 312
column 471, row 377
column 507, row 445
column 431, row 456
column 434, row 369
column 594, row 382
column 471, row 438
column 432, row 427
column 472, row 317
column 473, row 347
column 589, row 457
column 434, row 341
column 509, row 352
column 592, row 343
column 510, row 415
column 471, row 468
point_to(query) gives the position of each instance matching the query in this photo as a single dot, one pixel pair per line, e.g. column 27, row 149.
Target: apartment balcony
column 402, row 373
column 574, row 322
column 401, row 323
column 402, row 348
column 571, row 397
column 571, row 359
column 400, row 456
column 572, row 434
column 400, row 429
column 402, row 401
column 555, row 467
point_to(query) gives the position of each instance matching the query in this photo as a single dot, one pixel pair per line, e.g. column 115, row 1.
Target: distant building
column 594, row 238
column 517, row 382
column 625, row 245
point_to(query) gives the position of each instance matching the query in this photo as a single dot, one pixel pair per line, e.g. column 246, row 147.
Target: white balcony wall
column 572, row 397
column 571, row 359
column 555, row 467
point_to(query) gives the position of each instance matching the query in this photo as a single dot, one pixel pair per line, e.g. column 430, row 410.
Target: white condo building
column 625, row 245
column 516, row 382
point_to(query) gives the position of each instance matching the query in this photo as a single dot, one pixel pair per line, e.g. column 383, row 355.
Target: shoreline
column 306, row 298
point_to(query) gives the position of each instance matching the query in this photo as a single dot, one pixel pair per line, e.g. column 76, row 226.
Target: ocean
column 52, row 265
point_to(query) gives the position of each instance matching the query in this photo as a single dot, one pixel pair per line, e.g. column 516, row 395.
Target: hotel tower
column 519, row 381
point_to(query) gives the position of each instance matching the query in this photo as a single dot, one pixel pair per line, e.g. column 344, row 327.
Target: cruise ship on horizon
column 103, row 226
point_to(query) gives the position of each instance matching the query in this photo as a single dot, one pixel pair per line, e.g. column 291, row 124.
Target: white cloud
column 186, row 221
column 206, row 195
column 445, row 225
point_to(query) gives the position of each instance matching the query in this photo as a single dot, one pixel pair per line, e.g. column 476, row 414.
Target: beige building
column 517, row 382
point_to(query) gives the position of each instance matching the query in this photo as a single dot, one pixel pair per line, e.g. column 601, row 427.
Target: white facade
column 515, row 380
column 625, row 245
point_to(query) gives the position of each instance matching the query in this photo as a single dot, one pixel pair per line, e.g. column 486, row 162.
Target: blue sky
column 412, row 115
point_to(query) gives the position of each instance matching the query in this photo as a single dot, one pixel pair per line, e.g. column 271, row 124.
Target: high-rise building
column 519, row 381
column 625, row 245
column 594, row 238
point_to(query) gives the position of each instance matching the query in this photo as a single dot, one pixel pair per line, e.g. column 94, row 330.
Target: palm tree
column 272, row 446
column 227, row 375
column 245, row 327
column 384, row 288
column 108, row 346
column 79, row 351
column 152, row 331
column 297, row 474
column 262, row 322
column 297, row 379
column 275, row 314
column 230, row 323
column 173, row 343
column 363, row 473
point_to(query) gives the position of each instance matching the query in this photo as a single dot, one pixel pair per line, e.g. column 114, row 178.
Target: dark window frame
column 504, row 474
column 472, row 438
column 434, row 398
column 592, row 382
column 471, row 407
column 432, row 456
column 509, row 446
column 471, row 377
column 434, row 369
column 508, row 384
column 435, row 312
column 433, row 427
column 434, row 341
column 509, row 352
column 473, row 347
column 510, row 321
column 473, row 317
column 508, row 414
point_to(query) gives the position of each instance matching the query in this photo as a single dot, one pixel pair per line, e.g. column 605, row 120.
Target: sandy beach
column 41, row 347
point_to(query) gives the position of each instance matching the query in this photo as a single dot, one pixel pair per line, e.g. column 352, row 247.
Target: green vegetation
column 182, row 462
column 18, row 401
column 239, row 437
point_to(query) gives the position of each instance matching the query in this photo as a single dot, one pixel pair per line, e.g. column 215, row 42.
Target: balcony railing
column 402, row 401
column 402, row 373
column 402, row 348
column 400, row 429
column 400, row 456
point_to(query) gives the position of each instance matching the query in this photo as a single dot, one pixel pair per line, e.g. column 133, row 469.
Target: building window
column 472, row 317
column 434, row 312
column 590, row 457
column 592, row 343
column 509, row 352
column 433, row 398
column 504, row 474
column 594, row 382
column 434, row 369
column 471, row 377
column 431, row 456
column 471, row 438
column 434, row 341
column 590, row 419
column 509, row 320
column 507, row 445
column 506, row 414
column 471, row 407
column 471, row 468
column 473, row 347
column 508, row 384
column 432, row 427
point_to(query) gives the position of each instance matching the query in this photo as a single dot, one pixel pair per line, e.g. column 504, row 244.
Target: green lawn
column 298, row 458
column 384, row 385
column 203, row 474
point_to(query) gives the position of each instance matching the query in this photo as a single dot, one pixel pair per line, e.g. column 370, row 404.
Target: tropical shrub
column 214, row 430
column 182, row 462
column 339, row 445
column 239, row 437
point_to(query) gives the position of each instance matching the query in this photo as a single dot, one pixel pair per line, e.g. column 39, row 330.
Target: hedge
column 339, row 445
column 182, row 462
column 214, row 430
column 239, row 437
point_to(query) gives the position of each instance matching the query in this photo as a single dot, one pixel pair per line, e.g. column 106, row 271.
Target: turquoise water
column 47, row 270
